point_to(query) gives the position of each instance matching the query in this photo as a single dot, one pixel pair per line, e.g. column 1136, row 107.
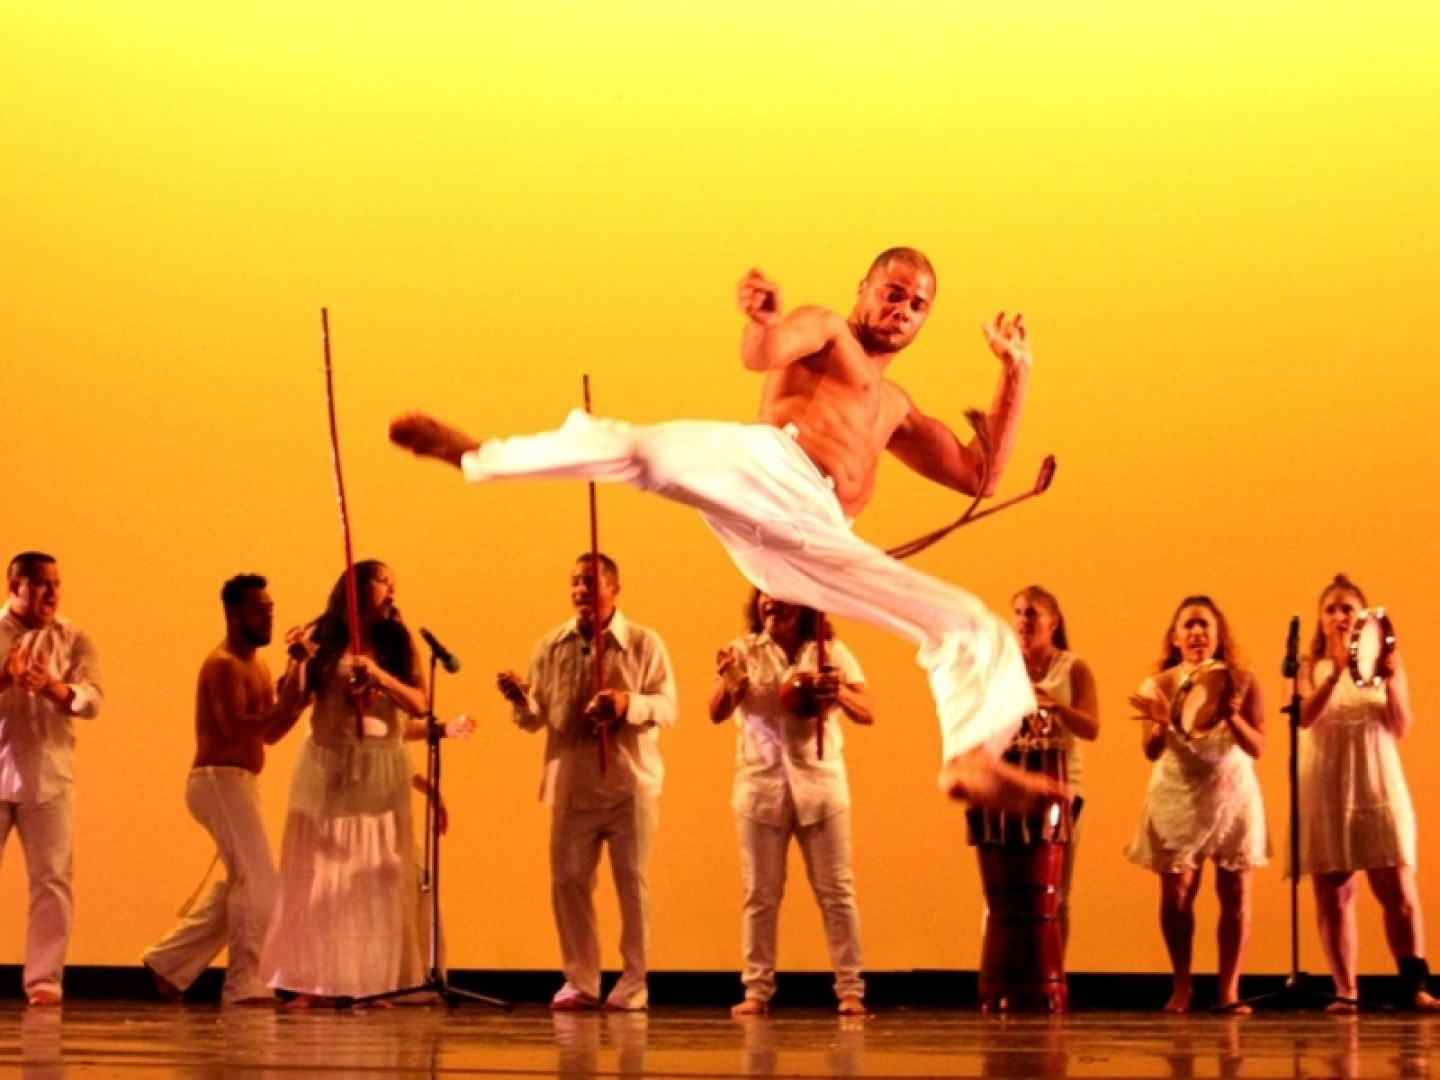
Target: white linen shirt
column 37, row 737
column 775, row 751
column 562, row 682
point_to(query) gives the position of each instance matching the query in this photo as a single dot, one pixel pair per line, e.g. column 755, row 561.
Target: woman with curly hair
column 1204, row 800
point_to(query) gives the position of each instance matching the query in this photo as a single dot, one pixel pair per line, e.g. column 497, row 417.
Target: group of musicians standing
column 341, row 919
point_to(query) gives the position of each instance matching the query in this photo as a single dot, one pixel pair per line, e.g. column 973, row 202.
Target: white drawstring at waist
column 792, row 429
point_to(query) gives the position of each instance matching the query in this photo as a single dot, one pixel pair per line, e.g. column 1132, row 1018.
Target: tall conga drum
column 1022, row 857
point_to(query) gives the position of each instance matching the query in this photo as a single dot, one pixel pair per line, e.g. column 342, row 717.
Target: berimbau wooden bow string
column 352, row 590
column 596, row 630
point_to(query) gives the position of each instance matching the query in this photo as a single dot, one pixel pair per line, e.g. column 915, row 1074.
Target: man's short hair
column 911, row 257
column 607, row 565
column 26, row 563
column 233, row 592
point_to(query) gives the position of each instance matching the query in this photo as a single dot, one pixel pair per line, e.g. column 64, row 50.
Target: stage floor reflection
column 128, row 1040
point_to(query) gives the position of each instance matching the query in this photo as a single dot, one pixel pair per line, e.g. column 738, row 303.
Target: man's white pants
column 783, row 526
column 46, row 839
column 576, row 835
column 825, row 846
column 234, row 912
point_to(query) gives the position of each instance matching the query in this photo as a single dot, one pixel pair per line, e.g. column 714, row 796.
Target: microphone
column 448, row 660
column 1292, row 649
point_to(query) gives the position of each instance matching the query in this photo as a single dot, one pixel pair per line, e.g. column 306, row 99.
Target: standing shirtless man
column 237, row 714
column 780, row 493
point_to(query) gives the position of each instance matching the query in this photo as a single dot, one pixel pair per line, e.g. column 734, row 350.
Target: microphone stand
column 1296, row 991
column 435, row 981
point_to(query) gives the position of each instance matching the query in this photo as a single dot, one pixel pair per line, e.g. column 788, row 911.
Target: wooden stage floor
column 132, row 1040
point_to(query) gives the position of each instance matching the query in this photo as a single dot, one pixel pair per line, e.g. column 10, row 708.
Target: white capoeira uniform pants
column 779, row 519
column 577, row 834
column 47, row 838
column 825, row 845
column 233, row 912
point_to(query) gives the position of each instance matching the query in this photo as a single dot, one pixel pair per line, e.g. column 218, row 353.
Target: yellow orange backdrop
column 1219, row 220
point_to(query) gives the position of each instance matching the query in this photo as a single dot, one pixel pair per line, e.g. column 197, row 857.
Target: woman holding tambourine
column 1355, row 810
column 1203, row 726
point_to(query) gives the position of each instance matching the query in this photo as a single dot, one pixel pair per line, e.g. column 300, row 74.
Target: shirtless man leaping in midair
column 780, row 493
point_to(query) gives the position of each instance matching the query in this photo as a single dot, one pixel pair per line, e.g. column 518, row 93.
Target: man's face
column 255, row 618
column 36, row 599
column 891, row 307
column 585, row 596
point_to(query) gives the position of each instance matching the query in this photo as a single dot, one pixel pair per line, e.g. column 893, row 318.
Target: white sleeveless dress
column 1203, row 802
column 1355, row 809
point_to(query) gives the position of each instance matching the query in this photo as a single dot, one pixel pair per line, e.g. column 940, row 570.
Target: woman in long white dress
column 1355, row 810
column 346, row 922
column 1203, row 801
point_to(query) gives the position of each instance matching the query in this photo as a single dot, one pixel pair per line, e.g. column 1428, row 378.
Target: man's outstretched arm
column 937, row 453
column 773, row 340
column 424, row 436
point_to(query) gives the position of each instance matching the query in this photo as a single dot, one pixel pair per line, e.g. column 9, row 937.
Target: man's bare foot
column 1426, row 1001
column 750, row 1007
column 1342, row 1008
column 980, row 778
column 851, row 1005
column 164, row 987
column 1234, row 1008
column 44, row 998
column 424, row 436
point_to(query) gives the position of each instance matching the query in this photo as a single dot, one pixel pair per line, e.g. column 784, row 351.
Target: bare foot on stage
column 1426, row 1002
column 1230, row 1008
column 424, row 436
column 979, row 778
column 1179, row 1002
column 851, row 1005
column 750, row 1007
column 1342, row 1008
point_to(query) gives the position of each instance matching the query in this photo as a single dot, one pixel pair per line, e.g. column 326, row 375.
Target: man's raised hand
column 759, row 298
column 1010, row 340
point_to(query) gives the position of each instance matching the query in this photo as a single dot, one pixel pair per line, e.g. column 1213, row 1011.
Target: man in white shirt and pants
column 614, row 805
column 51, row 675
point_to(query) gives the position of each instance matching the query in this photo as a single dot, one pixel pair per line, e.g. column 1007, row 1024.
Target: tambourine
column 1372, row 639
column 1202, row 699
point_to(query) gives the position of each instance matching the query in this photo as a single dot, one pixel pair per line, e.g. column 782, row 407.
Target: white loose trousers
column 47, row 839
column 778, row 518
column 234, row 912
column 576, row 837
column 825, row 845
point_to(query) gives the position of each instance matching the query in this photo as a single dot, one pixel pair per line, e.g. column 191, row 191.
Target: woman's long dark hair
column 805, row 621
column 1226, row 649
column 394, row 651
